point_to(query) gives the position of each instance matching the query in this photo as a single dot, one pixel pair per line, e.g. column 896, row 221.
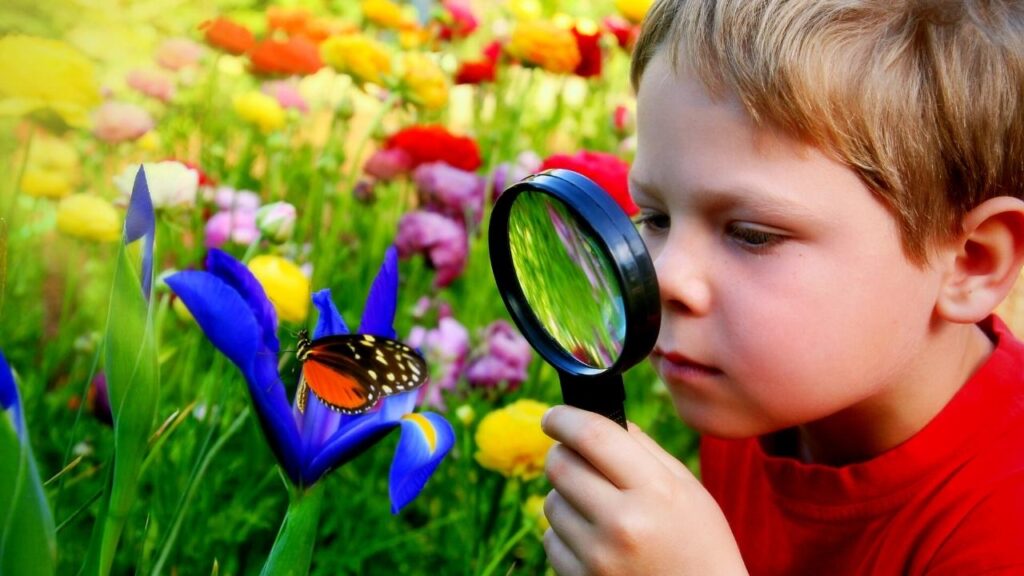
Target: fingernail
column 544, row 418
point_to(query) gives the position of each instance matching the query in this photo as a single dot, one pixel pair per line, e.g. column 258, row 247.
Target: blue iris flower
column 9, row 400
column 232, row 309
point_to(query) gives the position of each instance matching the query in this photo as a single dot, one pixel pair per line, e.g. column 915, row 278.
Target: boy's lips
column 676, row 366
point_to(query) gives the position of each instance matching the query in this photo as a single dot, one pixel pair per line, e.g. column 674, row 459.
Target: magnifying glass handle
column 604, row 395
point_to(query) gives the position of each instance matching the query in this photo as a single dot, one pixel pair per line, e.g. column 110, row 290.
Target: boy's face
column 786, row 295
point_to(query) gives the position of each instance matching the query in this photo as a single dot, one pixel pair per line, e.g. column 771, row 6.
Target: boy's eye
column 651, row 222
column 753, row 237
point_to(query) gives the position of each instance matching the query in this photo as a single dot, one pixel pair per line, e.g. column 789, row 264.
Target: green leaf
column 28, row 542
column 133, row 379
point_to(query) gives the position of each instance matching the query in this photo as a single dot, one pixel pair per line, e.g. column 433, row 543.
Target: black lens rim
column 599, row 215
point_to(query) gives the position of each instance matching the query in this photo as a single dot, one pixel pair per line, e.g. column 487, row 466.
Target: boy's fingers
column 614, row 452
column 577, row 481
column 674, row 466
column 561, row 558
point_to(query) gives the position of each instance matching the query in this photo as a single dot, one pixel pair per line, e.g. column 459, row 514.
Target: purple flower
column 508, row 173
column 442, row 240
column 227, row 198
column 238, row 226
column 445, row 348
column 506, row 358
column 231, row 307
column 452, row 191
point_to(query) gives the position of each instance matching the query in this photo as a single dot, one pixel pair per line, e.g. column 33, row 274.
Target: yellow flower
column 525, row 9
column 544, row 44
column 39, row 74
column 533, row 509
column 285, row 284
column 260, row 109
column 425, row 84
column 361, row 57
column 633, row 10
column 51, row 169
column 386, row 14
column 509, row 440
column 90, row 217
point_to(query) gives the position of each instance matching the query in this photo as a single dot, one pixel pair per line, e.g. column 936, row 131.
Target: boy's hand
column 622, row 505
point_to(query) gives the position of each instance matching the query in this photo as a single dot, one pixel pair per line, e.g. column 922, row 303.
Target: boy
column 830, row 190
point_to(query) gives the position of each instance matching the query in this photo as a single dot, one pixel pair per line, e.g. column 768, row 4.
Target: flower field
column 187, row 186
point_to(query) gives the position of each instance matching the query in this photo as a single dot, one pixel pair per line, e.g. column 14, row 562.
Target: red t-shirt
column 949, row 501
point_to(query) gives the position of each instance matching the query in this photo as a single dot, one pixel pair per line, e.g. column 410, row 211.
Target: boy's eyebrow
column 761, row 200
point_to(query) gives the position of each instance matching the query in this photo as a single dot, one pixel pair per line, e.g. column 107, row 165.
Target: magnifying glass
column 578, row 282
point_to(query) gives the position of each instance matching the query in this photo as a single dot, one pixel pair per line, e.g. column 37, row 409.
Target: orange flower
column 544, row 44
column 291, row 21
column 294, row 56
column 227, row 35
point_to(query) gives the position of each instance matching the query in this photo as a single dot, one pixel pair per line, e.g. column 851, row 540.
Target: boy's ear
column 986, row 259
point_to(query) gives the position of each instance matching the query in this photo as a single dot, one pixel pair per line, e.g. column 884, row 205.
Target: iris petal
column 379, row 312
column 235, row 274
column 426, row 439
column 140, row 221
column 352, row 438
column 330, row 322
column 319, row 421
column 221, row 312
column 9, row 399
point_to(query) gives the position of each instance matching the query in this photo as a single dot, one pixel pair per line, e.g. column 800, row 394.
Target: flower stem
column 293, row 548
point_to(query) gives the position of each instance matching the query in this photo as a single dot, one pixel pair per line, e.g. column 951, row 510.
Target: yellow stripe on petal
column 426, row 426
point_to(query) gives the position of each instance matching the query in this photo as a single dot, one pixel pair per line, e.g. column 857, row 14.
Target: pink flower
column 152, row 83
column 177, row 53
column 388, row 163
column 506, row 359
column 227, row 198
column 507, row 174
column 442, row 240
column 450, row 190
column 287, row 94
column 446, row 348
column 238, row 226
column 115, row 122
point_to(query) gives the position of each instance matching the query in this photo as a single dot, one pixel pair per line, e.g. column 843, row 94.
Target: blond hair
column 923, row 99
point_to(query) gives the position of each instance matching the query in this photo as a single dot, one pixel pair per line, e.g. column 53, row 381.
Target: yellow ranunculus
column 526, row 9
column 424, row 82
column 544, row 44
column 509, row 440
column 533, row 509
column 285, row 284
column 260, row 109
column 633, row 10
column 51, row 169
column 40, row 74
column 359, row 56
column 386, row 14
column 88, row 216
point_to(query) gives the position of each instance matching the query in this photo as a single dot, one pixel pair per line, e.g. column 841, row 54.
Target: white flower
column 171, row 184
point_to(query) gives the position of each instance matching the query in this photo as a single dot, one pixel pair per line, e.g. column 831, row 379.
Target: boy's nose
column 682, row 282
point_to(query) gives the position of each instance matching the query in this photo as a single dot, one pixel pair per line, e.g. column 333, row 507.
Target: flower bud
column 276, row 221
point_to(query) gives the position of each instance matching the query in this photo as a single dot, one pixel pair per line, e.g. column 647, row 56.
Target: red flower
column 458, row 20
column 434, row 143
column 607, row 170
column 625, row 33
column 588, row 42
column 483, row 70
column 294, row 56
column 227, row 35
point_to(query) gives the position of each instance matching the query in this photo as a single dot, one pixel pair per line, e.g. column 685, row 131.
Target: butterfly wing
column 350, row 373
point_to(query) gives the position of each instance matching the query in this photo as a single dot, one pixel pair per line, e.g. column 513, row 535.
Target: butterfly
column 351, row 372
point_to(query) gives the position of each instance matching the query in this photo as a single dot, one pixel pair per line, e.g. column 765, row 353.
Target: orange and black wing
column 350, row 373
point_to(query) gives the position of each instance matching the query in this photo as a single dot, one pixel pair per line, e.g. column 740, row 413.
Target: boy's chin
column 718, row 423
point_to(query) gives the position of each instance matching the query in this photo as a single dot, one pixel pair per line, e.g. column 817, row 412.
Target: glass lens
column 567, row 279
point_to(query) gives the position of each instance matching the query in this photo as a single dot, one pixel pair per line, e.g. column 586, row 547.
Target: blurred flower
column 483, row 70
column 89, row 217
column 505, row 359
column 457, row 20
column 291, row 21
column 386, row 14
column 286, row 93
column 633, row 10
column 423, row 82
column 439, row 238
column 51, row 169
column 232, row 309
column 257, row 108
column 238, row 226
column 227, row 198
column 525, row 9
column 623, row 120
column 227, row 35
column 507, row 174
column 432, row 143
column 451, row 191
column 204, row 179
column 10, row 400
column 295, row 56
column 588, row 42
column 625, row 32
column 98, row 399
column 357, row 55
column 152, row 83
column 172, row 184
column 115, row 122
column 285, row 285
column 510, row 441
column 544, row 44
column 41, row 74
column 465, row 414
column 177, row 53
column 445, row 349
column 388, row 164
column 533, row 510
column 607, row 170
column 276, row 221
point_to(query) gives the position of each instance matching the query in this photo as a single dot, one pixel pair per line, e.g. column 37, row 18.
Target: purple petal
column 426, row 439
column 275, row 414
column 140, row 221
column 236, row 275
column 330, row 322
column 222, row 313
column 352, row 438
column 379, row 312
column 9, row 399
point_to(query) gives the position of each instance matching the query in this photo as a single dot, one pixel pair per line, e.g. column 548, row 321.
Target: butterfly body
column 351, row 372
